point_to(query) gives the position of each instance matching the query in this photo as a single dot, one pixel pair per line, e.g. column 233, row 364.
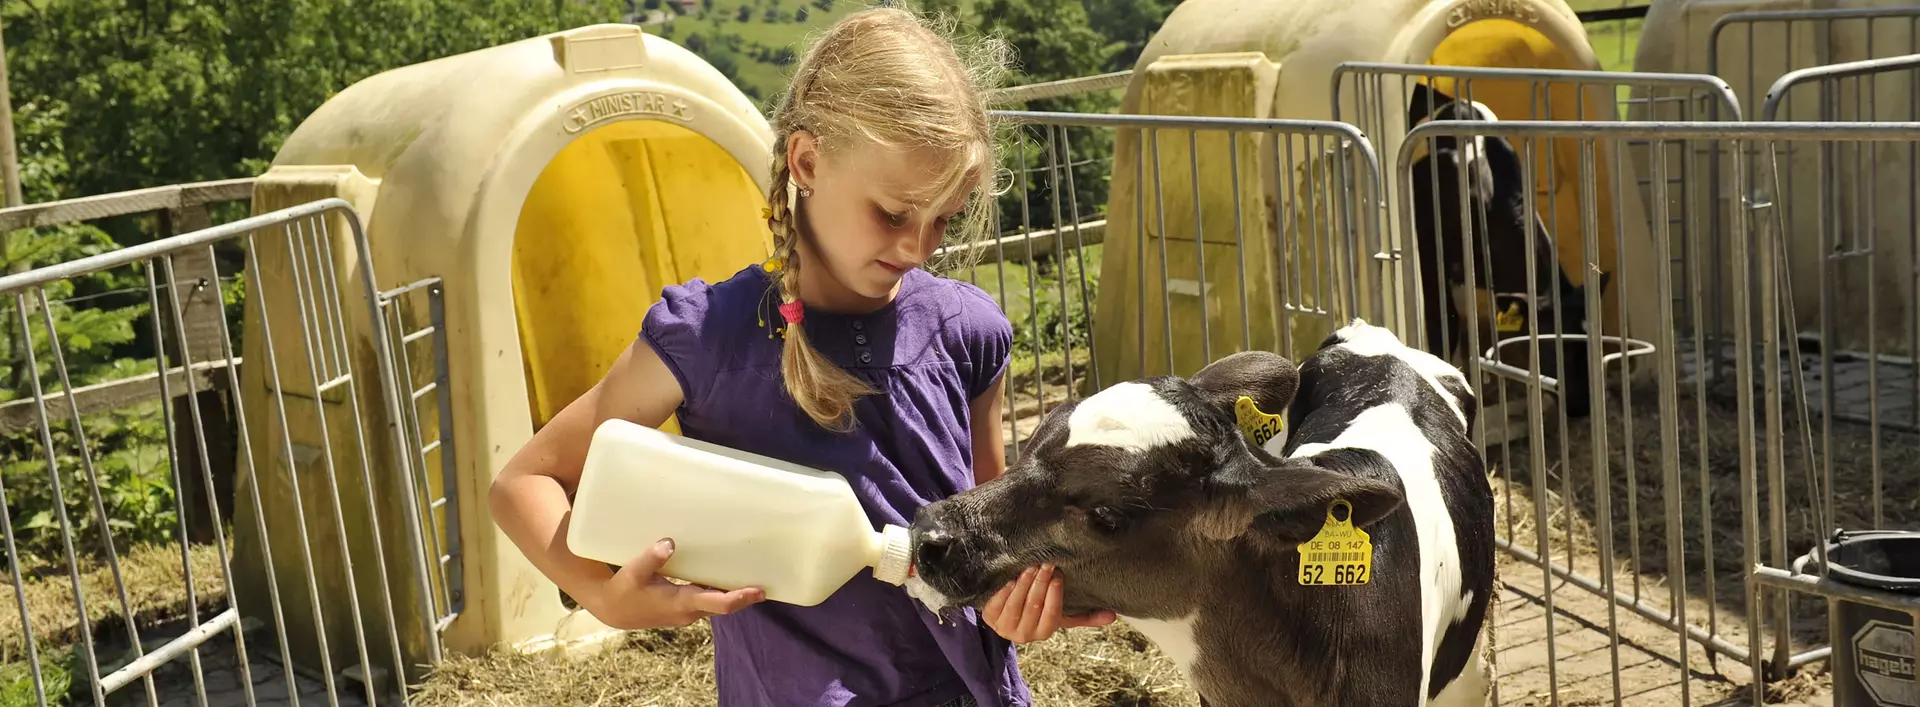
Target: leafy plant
column 16, row 677
column 130, row 472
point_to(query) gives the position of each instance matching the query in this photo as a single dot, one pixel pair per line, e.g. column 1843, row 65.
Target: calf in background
column 1496, row 193
column 1153, row 502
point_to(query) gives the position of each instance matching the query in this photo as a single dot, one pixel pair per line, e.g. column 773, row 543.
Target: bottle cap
column 896, row 555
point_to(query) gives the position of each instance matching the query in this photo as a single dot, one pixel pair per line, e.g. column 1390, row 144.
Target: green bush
column 16, row 677
column 1043, row 321
column 1061, row 324
column 131, row 474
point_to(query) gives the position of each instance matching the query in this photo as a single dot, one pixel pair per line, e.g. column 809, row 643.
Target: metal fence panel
column 427, row 438
column 1852, row 206
column 110, row 573
column 1679, row 440
column 1148, row 245
column 1759, row 48
column 1755, row 48
column 1376, row 96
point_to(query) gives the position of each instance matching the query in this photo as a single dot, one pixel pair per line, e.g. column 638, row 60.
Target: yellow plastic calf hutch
column 1266, row 60
column 1752, row 54
column 554, row 185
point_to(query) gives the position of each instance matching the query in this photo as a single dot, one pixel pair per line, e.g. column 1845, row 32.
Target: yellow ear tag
column 1257, row 425
column 1341, row 555
column 1509, row 321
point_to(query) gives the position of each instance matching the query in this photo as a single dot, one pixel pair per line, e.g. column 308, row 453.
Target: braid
column 824, row 391
column 779, row 220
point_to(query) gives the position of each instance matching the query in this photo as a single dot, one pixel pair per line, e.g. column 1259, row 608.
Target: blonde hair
column 880, row 77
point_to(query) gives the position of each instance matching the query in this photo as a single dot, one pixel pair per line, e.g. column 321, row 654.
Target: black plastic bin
column 1873, row 647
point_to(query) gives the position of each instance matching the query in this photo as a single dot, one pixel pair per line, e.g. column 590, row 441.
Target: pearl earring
column 805, row 192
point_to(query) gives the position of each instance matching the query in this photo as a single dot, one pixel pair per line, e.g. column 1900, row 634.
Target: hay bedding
column 1113, row 666
column 659, row 668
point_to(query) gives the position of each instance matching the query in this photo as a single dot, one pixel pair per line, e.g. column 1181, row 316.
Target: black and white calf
column 1496, row 191
column 1154, row 504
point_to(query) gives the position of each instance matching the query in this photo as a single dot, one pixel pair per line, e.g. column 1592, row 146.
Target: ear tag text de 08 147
column 1341, row 555
column 1258, row 426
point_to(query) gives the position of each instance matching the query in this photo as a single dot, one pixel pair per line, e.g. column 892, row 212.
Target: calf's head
column 1135, row 493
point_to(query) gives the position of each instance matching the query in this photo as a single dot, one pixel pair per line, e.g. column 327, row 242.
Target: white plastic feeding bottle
column 737, row 519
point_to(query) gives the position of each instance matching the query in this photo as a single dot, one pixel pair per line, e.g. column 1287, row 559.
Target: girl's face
column 870, row 217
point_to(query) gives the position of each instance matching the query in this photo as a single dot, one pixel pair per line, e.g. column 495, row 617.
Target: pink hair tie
column 792, row 312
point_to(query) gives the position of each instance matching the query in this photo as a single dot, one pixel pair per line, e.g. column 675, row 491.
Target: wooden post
column 10, row 174
column 9, row 153
column 198, row 290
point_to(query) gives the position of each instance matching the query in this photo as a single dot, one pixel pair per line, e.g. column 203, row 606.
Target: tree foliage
column 148, row 92
column 1051, row 40
column 1129, row 24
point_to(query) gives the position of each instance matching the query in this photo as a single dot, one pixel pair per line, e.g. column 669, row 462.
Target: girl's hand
column 636, row 597
column 1028, row 609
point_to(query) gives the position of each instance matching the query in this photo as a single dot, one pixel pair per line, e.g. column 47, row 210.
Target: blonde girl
column 839, row 353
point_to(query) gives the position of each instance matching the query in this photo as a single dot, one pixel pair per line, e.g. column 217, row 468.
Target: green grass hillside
column 754, row 41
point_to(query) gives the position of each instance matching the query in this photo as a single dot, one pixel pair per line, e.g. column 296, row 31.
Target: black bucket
column 1873, row 647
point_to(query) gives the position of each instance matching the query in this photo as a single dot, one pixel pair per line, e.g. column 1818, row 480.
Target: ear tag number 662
column 1341, row 555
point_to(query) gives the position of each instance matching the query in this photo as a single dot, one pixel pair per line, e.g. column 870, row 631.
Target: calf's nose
column 931, row 541
column 934, row 548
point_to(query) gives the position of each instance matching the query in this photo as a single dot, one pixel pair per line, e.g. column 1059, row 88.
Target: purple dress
column 936, row 347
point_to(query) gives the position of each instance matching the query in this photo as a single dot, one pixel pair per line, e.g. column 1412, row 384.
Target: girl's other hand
column 637, row 597
column 1028, row 608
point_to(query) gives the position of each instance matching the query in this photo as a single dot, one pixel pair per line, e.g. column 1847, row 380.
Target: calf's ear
column 1290, row 499
column 1268, row 378
column 1423, row 102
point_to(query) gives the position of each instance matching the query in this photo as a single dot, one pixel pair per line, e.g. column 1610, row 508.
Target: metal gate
column 406, row 329
column 1755, row 48
column 1840, row 194
column 1215, row 235
column 87, row 578
column 1376, row 96
column 1663, row 432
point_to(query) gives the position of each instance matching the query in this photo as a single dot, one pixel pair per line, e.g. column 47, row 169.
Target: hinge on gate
column 1756, row 202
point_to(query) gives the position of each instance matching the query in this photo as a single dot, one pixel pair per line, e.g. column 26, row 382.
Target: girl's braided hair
column 887, row 78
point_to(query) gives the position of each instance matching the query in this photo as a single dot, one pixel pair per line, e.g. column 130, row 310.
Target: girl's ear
column 803, row 156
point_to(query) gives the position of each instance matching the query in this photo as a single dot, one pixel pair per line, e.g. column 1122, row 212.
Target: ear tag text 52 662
column 1340, row 555
column 1258, row 426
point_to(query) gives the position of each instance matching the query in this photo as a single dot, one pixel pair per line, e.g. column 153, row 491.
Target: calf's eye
column 1105, row 519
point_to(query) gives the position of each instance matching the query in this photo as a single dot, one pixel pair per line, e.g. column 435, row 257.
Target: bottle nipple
column 896, row 555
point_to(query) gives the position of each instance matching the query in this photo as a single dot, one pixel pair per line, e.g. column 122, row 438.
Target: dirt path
column 1574, row 661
